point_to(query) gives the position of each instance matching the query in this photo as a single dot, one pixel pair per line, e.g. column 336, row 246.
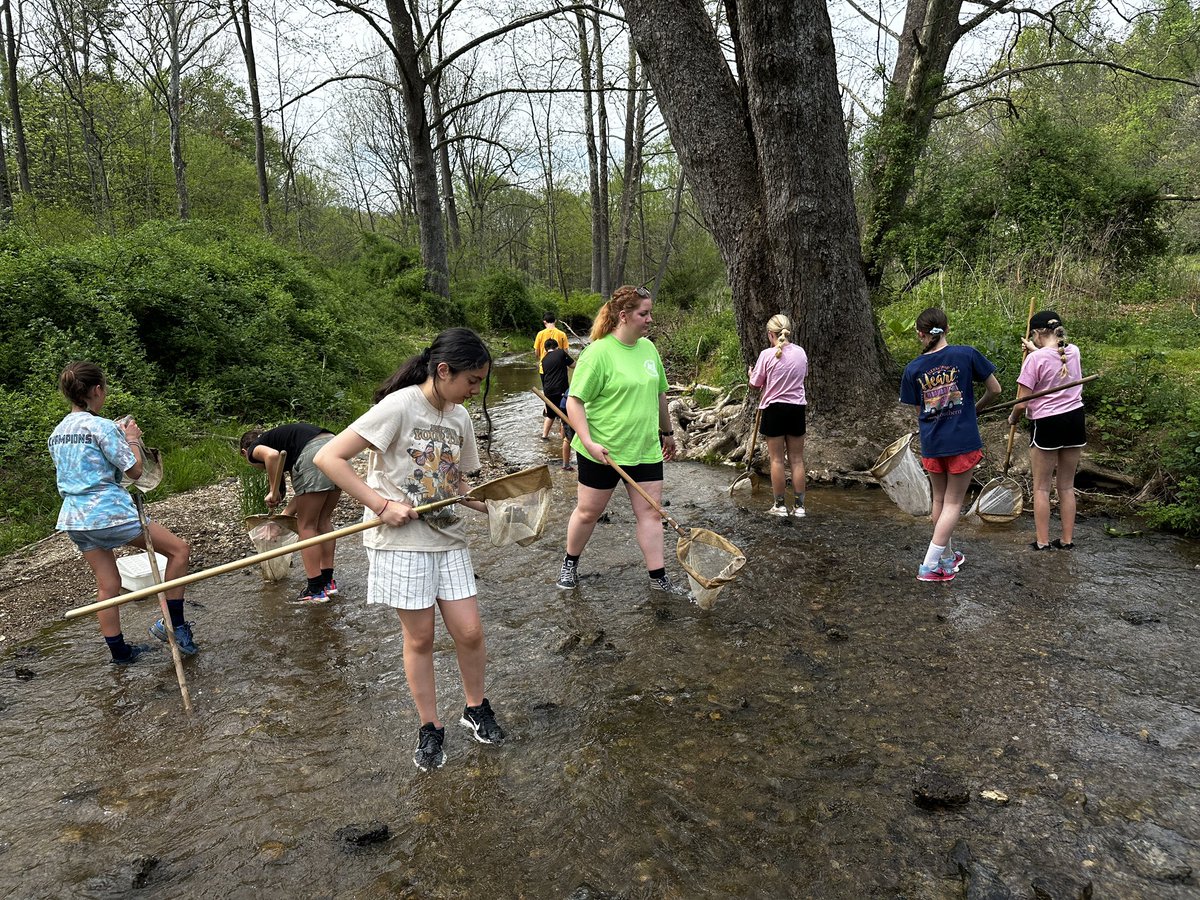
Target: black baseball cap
column 1047, row 318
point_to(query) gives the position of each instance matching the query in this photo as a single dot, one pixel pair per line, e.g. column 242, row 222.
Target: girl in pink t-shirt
column 780, row 372
column 1057, row 435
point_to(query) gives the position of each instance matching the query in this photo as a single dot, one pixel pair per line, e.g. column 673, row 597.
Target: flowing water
column 768, row 748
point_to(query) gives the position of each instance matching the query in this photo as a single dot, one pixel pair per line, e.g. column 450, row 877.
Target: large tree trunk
column 771, row 177
column 446, row 173
column 245, row 35
column 602, row 159
column 631, row 175
column 585, row 70
column 175, row 112
column 14, row 100
column 931, row 31
column 6, row 204
column 430, row 226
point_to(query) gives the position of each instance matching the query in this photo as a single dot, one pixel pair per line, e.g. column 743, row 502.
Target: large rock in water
column 364, row 835
column 933, row 790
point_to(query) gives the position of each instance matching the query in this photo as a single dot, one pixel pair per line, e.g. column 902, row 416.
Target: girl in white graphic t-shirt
column 422, row 442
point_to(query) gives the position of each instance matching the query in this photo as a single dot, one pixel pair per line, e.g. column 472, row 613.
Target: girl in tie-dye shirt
column 90, row 455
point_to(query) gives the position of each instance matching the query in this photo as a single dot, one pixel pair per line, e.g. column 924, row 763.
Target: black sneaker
column 667, row 586
column 568, row 577
column 135, row 650
column 482, row 722
column 429, row 754
column 1058, row 544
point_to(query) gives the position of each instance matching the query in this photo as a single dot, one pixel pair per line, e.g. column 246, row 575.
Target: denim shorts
column 106, row 538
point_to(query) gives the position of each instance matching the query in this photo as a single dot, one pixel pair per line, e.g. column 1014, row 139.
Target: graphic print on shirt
column 435, row 453
column 940, row 392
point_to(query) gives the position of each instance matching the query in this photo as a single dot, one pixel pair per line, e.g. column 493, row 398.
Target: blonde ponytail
column 1061, row 334
column 780, row 326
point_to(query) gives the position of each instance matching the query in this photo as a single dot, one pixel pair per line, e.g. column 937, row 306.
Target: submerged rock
column 586, row 892
column 142, row 868
column 364, row 835
column 1140, row 617
column 933, row 790
column 1061, row 887
column 1151, row 860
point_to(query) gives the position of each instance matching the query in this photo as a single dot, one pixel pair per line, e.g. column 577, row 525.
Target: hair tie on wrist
column 382, row 508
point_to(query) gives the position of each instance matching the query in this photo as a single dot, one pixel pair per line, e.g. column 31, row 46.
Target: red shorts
column 954, row 465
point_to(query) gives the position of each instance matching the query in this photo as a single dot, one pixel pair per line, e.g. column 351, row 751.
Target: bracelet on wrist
column 382, row 508
column 666, row 434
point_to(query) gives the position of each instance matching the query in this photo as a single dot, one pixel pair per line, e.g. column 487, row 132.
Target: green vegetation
column 198, row 328
column 1143, row 414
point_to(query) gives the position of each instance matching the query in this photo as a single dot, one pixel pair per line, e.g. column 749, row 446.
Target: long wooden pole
column 176, row 656
column 225, row 568
column 1009, row 404
column 1012, row 430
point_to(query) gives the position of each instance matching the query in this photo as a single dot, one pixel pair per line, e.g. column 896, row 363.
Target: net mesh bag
column 1000, row 501
column 518, row 506
column 710, row 561
column 268, row 533
column 903, row 479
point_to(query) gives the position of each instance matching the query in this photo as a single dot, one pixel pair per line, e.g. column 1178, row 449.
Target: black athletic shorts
column 783, row 419
column 1059, row 432
column 603, row 477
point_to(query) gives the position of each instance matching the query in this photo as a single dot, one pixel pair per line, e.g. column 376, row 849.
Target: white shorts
column 415, row 579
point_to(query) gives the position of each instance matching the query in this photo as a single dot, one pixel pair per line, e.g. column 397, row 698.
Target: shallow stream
column 768, row 748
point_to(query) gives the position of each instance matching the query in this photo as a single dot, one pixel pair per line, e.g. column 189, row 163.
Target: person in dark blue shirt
column 941, row 384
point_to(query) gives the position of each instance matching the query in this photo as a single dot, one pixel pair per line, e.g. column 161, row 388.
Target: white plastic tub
column 135, row 571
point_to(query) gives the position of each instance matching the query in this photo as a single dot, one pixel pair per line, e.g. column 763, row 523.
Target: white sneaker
column 779, row 510
column 799, row 512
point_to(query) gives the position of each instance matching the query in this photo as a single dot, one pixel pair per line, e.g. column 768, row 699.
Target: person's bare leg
column 775, row 450
column 174, row 548
column 589, row 506
column 795, row 456
column 649, row 523
column 952, row 501
column 308, row 518
column 325, row 525
column 418, row 661
column 1068, row 463
column 103, row 564
column 463, row 623
column 1042, row 463
column 937, row 482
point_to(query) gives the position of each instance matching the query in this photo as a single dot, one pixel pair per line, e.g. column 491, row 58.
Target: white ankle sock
column 933, row 554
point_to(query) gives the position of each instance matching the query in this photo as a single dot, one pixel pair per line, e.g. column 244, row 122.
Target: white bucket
column 135, row 571
column 903, row 479
column 1000, row 501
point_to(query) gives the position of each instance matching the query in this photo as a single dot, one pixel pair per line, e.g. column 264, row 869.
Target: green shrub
column 580, row 309
column 501, row 302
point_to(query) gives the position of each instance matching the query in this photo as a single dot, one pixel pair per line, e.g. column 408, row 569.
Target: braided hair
column 1047, row 322
column 932, row 322
column 780, row 326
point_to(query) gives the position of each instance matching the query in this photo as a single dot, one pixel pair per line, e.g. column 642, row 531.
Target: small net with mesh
column 1001, row 500
column 268, row 533
column 710, row 561
column 518, row 506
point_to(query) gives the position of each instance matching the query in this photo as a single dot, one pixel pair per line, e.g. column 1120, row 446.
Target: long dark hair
column 461, row 349
column 77, row 381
